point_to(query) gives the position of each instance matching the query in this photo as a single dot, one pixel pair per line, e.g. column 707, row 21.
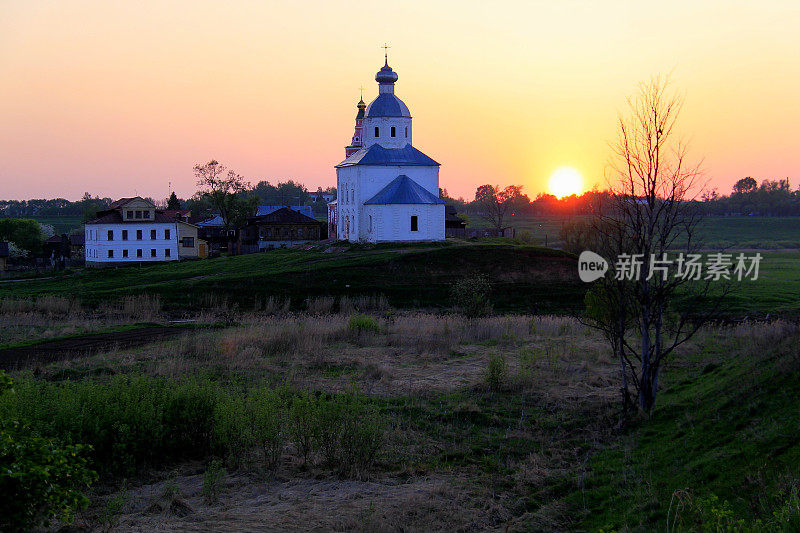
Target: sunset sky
column 119, row 98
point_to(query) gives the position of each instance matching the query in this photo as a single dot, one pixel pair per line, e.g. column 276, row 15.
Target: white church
column 387, row 189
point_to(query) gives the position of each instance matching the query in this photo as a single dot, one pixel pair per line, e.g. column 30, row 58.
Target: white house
column 131, row 230
column 387, row 190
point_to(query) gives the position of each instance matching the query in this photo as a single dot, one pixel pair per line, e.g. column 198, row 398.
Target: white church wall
column 392, row 223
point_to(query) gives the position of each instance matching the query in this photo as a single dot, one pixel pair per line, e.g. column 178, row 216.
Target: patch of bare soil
column 60, row 349
column 248, row 504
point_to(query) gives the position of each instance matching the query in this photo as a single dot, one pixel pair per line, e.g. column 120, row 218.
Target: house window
column 130, row 214
column 414, row 226
column 167, row 252
column 153, row 234
column 145, row 214
column 124, row 253
column 152, row 252
column 111, row 235
column 111, row 253
column 377, row 132
column 139, row 252
column 138, row 235
column 299, row 233
column 188, row 242
column 393, row 132
column 138, row 214
column 166, row 234
column 124, row 235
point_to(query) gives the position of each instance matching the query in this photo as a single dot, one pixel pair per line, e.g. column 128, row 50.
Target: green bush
column 496, row 371
column 136, row 422
column 470, row 296
column 269, row 425
column 233, row 429
column 303, row 424
column 131, row 422
column 40, row 479
column 363, row 324
column 213, row 480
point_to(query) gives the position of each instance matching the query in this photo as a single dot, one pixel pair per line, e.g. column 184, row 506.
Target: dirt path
column 55, row 350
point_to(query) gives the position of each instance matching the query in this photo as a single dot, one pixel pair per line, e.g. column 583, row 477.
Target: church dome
column 387, row 105
column 386, row 75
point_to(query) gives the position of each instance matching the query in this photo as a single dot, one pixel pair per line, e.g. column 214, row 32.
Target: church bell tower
column 358, row 139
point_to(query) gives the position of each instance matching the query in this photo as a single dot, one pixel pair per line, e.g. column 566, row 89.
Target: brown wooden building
column 279, row 229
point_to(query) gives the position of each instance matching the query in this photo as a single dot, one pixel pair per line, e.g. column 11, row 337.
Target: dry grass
column 429, row 503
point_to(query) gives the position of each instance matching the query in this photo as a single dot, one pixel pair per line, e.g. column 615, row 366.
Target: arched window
column 393, row 132
column 377, row 132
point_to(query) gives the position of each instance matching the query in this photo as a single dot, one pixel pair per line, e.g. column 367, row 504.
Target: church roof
column 284, row 215
column 380, row 156
column 387, row 105
column 404, row 190
column 267, row 209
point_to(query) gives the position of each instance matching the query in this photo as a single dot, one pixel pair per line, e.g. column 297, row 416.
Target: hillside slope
column 722, row 445
column 524, row 278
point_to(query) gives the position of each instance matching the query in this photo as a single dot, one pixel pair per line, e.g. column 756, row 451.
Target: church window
column 414, row 224
column 370, row 223
column 393, row 132
column 406, row 131
column 377, row 132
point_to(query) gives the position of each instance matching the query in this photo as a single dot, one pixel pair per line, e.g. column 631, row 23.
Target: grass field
column 715, row 232
column 504, row 423
column 62, row 224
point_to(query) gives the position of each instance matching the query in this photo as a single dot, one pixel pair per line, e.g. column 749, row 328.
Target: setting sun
column 565, row 181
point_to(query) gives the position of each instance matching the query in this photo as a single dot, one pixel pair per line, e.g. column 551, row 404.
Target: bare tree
column 495, row 203
column 644, row 310
column 223, row 189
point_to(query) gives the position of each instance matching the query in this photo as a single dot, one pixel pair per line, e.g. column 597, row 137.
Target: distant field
column 61, row 224
column 768, row 233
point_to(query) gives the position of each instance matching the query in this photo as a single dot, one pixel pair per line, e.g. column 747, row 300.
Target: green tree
column 40, row 480
column 495, row 203
column 25, row 233
column 224, row 189
column 173, row 202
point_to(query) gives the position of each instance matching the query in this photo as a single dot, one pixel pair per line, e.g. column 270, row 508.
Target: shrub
column 269, row 421
column 303, row 424
column 363, row 324
column 39, row 479
column 233, row 429
column 213, row 480
column 470, row 296
column 496, row 371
